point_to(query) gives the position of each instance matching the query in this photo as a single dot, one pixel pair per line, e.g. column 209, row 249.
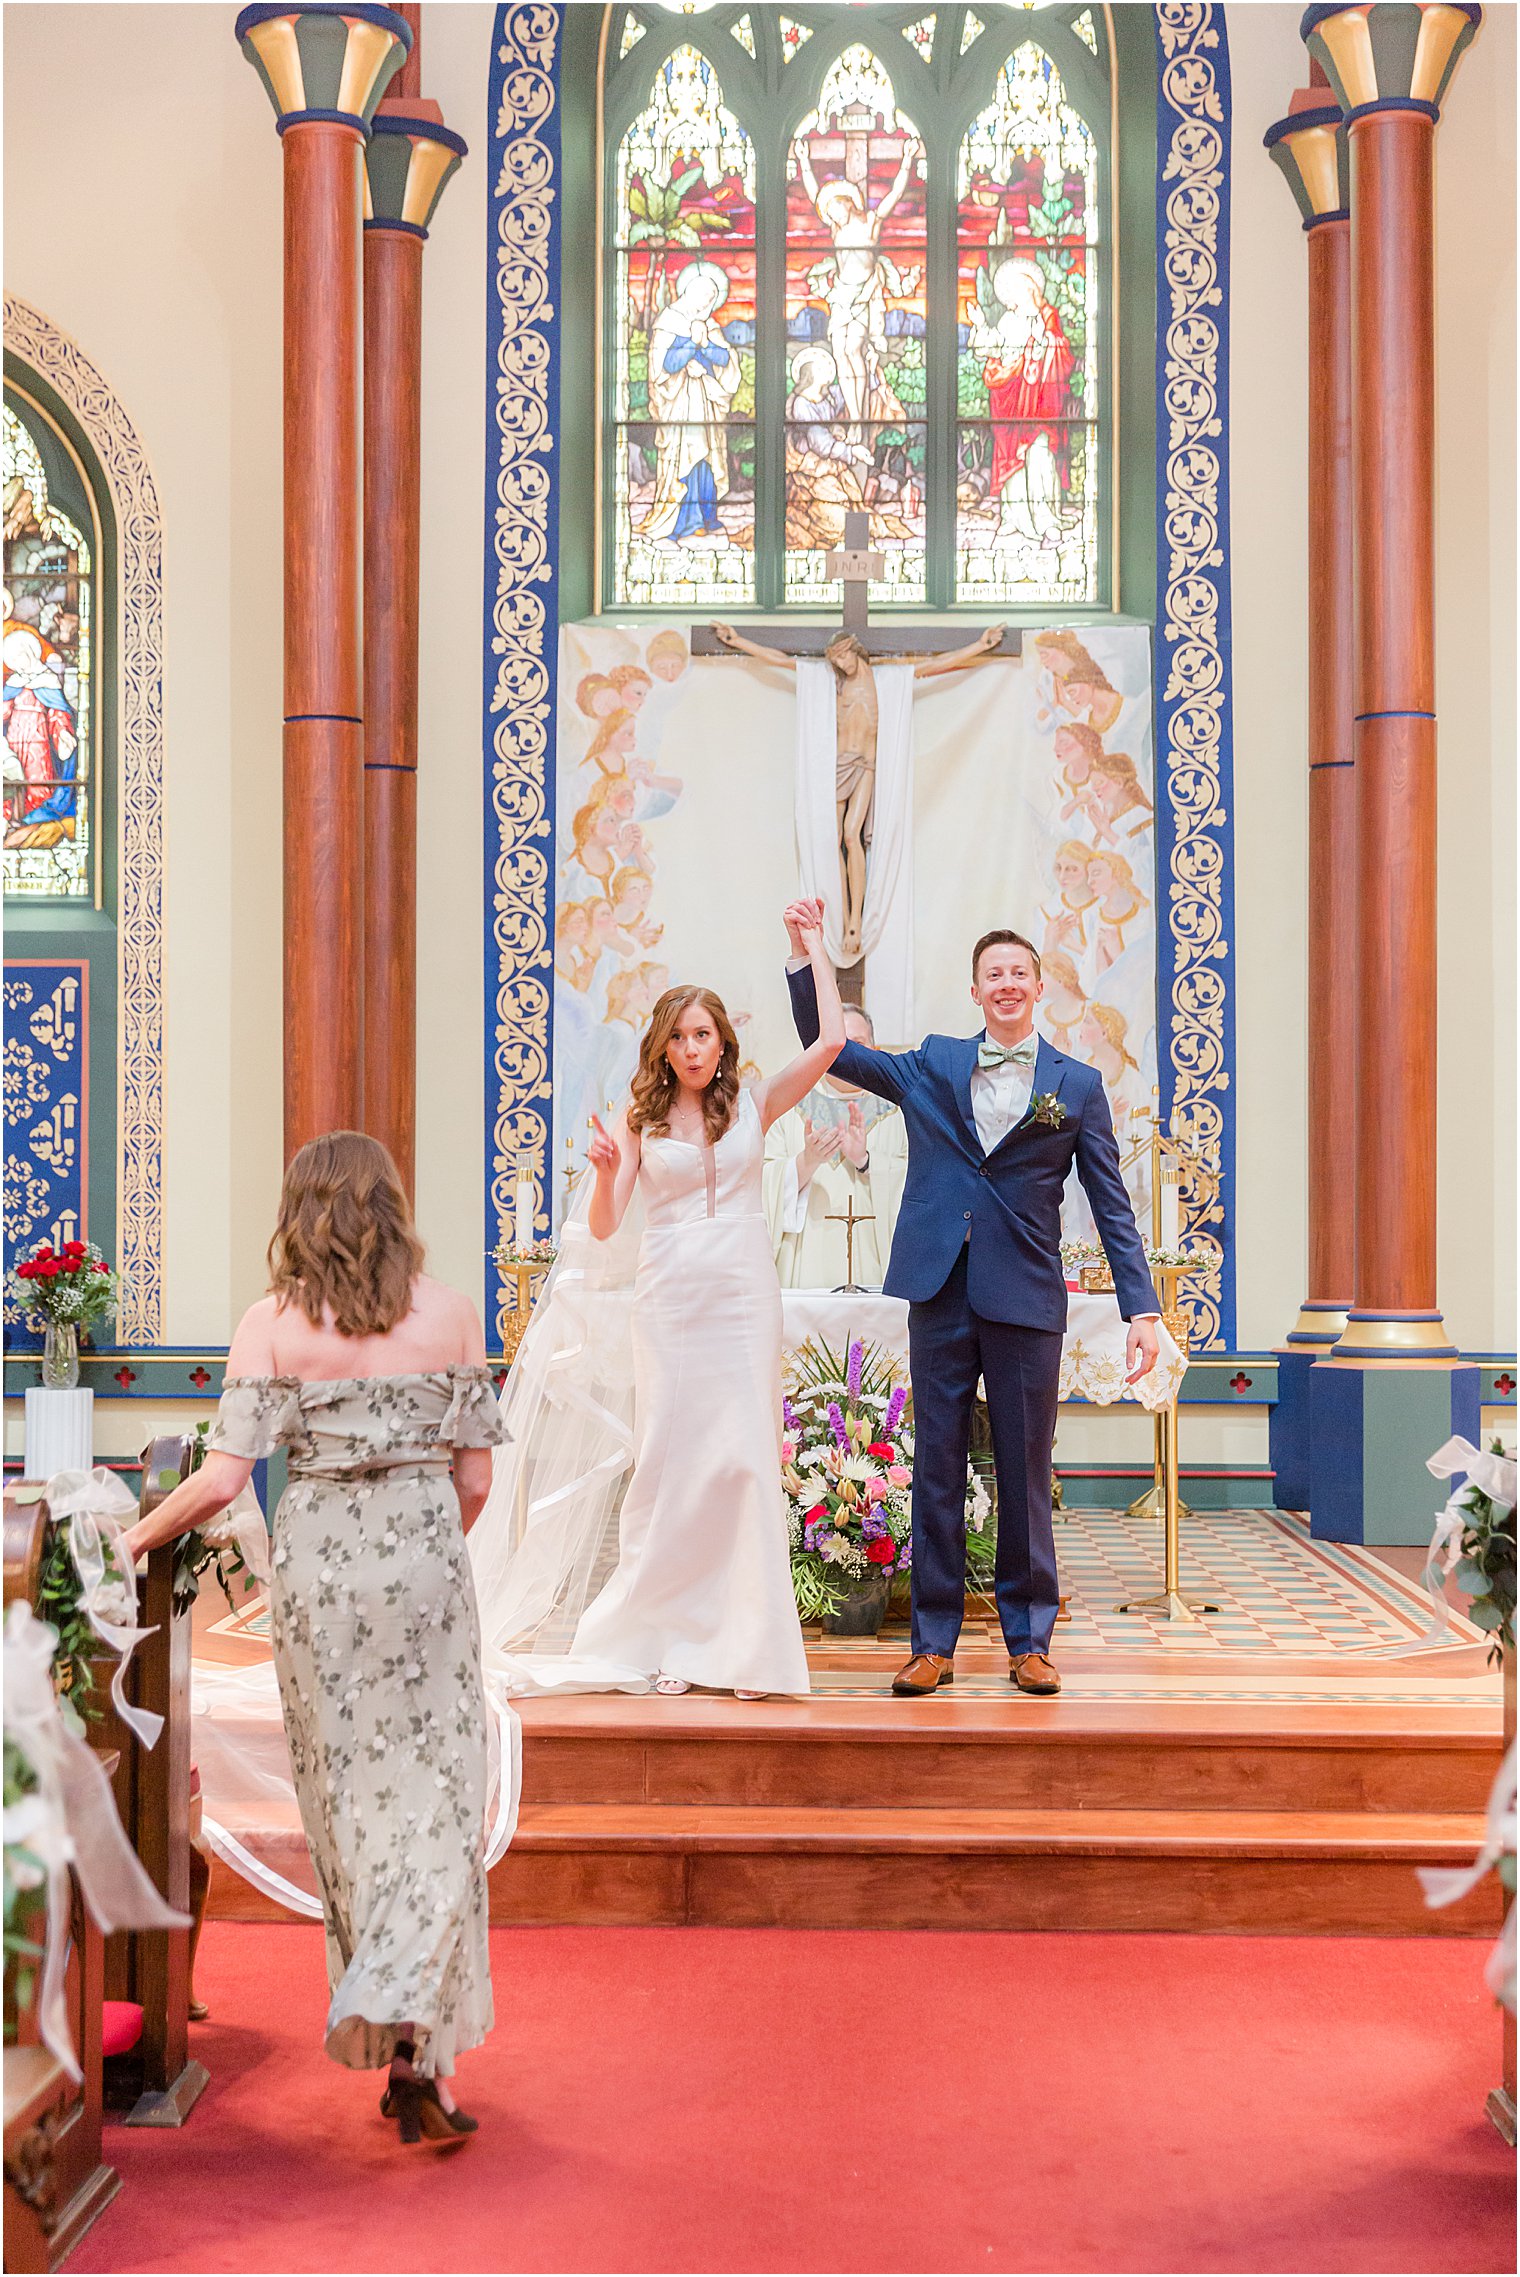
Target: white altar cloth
column 1092, row 1357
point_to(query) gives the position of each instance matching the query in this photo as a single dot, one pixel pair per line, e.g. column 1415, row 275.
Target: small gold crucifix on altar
column 849, row 1217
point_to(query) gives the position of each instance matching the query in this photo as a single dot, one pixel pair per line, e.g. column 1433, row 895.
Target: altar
column 1092, row 1357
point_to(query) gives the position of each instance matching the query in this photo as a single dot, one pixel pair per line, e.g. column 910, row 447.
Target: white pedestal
column 60, row 1431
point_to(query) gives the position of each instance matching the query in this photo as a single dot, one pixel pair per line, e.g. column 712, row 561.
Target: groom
column 994, row 1124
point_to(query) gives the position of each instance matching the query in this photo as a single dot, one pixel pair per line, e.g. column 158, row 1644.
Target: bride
column 672, row 1368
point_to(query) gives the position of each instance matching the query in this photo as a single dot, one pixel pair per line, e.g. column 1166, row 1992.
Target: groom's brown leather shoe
column 1033, row 1672
column 925, row 1672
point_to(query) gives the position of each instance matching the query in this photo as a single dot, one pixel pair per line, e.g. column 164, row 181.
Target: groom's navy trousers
column 951, row 1349
column 977, row 1255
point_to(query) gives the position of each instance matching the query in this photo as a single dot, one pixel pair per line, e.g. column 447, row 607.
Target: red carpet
column 758, row 2100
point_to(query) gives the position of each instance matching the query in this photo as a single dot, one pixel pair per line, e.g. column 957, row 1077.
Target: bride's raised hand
column 601, row 1153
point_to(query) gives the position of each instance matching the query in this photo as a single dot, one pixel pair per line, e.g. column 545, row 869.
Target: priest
column 840, row 1150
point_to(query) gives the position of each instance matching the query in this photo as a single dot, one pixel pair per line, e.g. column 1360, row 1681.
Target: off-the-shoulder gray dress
column 377, row 1651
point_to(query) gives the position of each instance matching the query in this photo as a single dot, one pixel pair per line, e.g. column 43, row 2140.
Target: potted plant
column 847, row 1474
column 60, row 1292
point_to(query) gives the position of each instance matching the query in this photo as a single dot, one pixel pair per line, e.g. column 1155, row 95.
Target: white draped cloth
column 887, row 926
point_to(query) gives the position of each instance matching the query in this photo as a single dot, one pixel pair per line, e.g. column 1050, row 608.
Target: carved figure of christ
column 855, row 719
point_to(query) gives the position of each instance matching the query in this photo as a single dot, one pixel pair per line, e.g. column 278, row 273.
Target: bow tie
column 991, row 1055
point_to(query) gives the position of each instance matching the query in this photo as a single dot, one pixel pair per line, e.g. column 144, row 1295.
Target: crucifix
column 849, row 649
column 849, row 1217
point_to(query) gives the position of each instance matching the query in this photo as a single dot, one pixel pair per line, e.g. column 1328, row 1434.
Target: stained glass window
column 856, row 319
column 826, row 292
column 921, row 33
column 49, row 699
column 1027, row 375
column 685, row 353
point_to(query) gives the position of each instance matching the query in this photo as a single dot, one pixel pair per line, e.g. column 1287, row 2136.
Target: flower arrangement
column 1075, row 1255
column 194, row 1553
column 71, row 1287
column 1475, row 1538
column 508, row 1256
column 847, row 1474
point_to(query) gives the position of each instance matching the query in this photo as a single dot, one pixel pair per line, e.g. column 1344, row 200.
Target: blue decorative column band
column 1194, row 854
column 521, row 611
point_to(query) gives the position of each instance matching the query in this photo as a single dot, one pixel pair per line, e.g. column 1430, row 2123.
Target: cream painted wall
column 174, row 290
column 167, row 274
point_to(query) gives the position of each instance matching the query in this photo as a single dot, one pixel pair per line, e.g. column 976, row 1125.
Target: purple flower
column 904, row 1556
column 895, row 1406
column 852, row 1369
column 789, row 1414
column 836, row 1425
column 873, row 1527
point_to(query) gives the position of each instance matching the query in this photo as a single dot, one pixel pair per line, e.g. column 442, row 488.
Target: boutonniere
column 1046, row 1108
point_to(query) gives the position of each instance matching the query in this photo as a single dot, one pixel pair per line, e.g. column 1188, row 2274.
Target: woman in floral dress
column 373, row 1377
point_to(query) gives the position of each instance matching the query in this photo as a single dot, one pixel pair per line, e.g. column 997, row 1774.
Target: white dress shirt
column 1000, row 1099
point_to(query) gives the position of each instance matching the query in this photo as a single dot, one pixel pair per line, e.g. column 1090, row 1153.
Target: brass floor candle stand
column 1170, row 1604
column 522, row 1276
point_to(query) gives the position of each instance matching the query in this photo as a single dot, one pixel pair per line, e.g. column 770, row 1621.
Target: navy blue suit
column 977, row 1255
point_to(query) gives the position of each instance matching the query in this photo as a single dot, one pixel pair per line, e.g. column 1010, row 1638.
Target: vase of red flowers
column 62, row 1291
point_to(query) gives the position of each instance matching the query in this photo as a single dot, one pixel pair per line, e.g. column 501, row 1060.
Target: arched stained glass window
column 1027, row 459
column 858, row 259
column 51, row 552
column 856, row 323
column 684, row 353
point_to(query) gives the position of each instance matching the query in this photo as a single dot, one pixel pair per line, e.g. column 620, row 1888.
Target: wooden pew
column 56, row 2181
column 160, row 2078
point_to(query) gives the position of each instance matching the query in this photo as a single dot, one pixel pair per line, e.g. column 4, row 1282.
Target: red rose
column 883, row 1450
column 101, row 1268
column 51, row 1267
column 26, row 1272
column 73, row 1249
column 819, row 1511
column 881, row 1551
column 45, row 1251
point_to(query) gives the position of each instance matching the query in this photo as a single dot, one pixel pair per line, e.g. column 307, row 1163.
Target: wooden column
column 1389, row 87
column 412, row 155
column 324, row 721
column 392, row 432
column 1393, row 468
column 324, row 69
column 1309, row 148
column 1394, row 1387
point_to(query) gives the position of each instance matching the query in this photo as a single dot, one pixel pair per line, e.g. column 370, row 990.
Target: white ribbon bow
column 1493, row 1475
column 68, row 1820
column 96, row 1507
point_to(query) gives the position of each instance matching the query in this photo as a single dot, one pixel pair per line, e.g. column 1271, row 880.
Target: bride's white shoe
column 738, row 1695
column 671, row 1685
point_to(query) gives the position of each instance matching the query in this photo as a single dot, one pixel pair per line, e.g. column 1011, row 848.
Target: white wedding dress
column 679, row 1377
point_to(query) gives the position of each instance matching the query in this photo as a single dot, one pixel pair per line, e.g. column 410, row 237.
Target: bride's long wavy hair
column 345, row 1238
column 656, row 1083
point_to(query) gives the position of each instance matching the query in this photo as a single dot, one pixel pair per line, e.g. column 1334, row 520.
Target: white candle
column 523, row 1232
column 1171, row 1209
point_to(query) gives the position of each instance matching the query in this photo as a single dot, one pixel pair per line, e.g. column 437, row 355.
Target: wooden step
column 1260, row 1871
column 1023, row 1755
